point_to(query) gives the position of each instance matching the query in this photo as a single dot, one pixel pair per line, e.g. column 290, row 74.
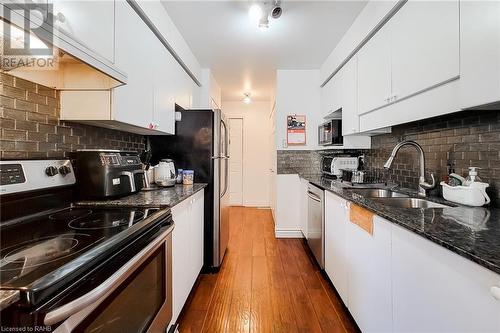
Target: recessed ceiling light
column 255, row 12
column 246, row 98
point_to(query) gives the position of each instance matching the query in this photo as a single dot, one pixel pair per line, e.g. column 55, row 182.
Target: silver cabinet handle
column 495, row 291
column 313, row 196
column 113, row 282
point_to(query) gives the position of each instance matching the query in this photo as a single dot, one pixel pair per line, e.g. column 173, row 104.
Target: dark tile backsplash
column 298, row 161
column 462, row 139
column 306, row 162
column 30, row 125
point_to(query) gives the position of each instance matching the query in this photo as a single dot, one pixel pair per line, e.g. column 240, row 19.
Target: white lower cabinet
column 336, row 262
column 187, row 249
column 303, row 206
column 435, row 290
column 369, row 274
column 396, row 281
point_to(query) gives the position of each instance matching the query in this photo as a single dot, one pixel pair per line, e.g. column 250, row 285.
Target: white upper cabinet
column 133, row 102
column 418, row 49
column 336, row 261
column 331, row 94
column 436, row 290
column 90, row 23
column 479, row 53
column 164, row 94
column 424, row 46
column 374, row 72
column 350, row 117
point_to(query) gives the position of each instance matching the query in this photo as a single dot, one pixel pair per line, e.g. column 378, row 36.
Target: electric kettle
column 165, row 173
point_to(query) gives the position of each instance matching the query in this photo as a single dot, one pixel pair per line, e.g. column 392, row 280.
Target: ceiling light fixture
column 261, row 12
column 246, row 98
column 255, row 12
column 264, row 23
column 277, row 9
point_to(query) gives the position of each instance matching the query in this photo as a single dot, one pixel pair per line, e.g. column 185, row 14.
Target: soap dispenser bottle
column 472, row 177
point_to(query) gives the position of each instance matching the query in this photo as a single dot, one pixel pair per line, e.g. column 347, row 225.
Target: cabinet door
column 336, row 263
column 374, row 72
column 164, row 95
column 197, row 212
column 425, row 46
column 90, row 23
column 133, row 102
column 369, row 258
column 479, row 52
column 303, row 206
column 436, row 290
column 331, row 94
column 181, row 255
column 350, row 117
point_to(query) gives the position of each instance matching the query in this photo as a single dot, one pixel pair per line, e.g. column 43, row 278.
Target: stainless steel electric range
column 78, row 269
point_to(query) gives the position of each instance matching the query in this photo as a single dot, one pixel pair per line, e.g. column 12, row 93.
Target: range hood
column 66, row 66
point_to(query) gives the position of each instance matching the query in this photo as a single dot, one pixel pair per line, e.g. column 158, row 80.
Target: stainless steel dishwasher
column 315, row 223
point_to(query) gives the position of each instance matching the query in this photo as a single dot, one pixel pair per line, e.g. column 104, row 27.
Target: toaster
column 108, row 173
column 333, row 165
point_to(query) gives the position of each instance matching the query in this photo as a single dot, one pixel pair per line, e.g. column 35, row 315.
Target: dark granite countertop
column 161, row 197
column 471, row 232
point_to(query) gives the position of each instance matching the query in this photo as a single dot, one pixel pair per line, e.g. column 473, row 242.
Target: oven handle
column 113, row 282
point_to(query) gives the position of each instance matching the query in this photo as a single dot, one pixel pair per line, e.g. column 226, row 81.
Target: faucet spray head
column 388, row 164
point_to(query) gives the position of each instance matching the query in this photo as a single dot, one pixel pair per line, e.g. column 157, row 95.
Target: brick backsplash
column 462, row 139
column 30, row 125
column 307, row 162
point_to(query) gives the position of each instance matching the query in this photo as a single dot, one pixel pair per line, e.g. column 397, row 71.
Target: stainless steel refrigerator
column 201, row 143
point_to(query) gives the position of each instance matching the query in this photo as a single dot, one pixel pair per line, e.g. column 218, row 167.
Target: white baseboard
column 288, row 233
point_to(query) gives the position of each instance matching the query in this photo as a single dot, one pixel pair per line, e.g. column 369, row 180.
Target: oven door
column 136, row 298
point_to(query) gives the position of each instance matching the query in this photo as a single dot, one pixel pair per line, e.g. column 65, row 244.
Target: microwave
column 330, row 133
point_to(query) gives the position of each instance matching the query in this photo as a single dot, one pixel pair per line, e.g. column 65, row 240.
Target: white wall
column 298, row 92
column 256, row 149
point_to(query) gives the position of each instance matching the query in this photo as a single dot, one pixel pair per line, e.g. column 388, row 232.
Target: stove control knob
column 64, row 170
column 51, row 171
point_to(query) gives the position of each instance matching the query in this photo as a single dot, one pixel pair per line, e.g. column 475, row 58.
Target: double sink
column 395, row 199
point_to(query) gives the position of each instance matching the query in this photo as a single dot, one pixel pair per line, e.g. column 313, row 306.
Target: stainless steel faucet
column 422, row 184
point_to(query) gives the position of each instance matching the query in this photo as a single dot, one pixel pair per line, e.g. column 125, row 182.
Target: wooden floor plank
column 264, row 285
column 327, row 316
column 238, row 320
column 339, row 307
column 261, row 311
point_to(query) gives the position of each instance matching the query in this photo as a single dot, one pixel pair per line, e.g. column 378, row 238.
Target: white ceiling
column 242, row 57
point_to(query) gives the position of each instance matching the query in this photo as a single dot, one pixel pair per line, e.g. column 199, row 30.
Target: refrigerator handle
column 225, row 158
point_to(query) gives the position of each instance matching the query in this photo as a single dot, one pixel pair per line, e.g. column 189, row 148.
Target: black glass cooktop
column 42, row 250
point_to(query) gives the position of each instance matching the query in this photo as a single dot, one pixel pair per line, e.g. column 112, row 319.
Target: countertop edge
column 134, row 200
column 440, row 242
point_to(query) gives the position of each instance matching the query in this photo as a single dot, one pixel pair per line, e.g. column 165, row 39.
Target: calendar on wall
column 296, row 130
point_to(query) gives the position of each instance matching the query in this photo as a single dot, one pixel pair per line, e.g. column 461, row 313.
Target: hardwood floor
column 264, row 285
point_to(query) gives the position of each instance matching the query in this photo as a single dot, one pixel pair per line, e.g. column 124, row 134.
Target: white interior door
column 236, row 161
